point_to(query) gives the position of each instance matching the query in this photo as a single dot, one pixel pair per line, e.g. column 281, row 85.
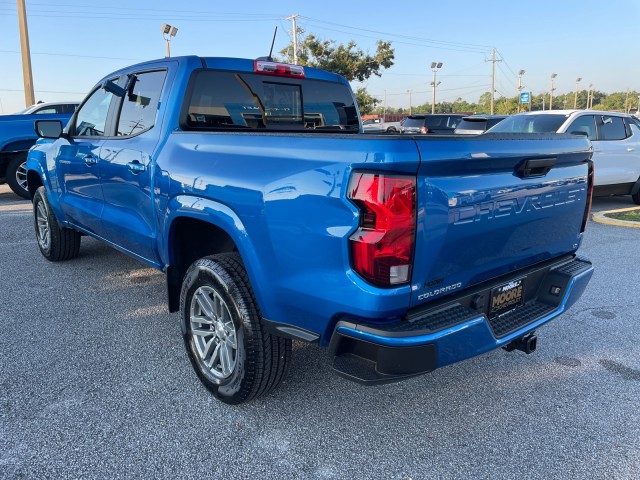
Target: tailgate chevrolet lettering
column 515, row 206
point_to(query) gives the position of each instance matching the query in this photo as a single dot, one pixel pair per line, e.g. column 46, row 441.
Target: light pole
column 575, row 99
column 409, row 92
column 168, row 31
column 434, row 68
column 553, row 76
column 520, row 74
column 589, row 94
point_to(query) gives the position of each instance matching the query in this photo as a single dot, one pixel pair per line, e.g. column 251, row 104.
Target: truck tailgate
column 487, row 206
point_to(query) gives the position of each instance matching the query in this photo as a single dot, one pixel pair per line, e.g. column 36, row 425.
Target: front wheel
column 56, row 243
column 17, row 174
column 636, row 197
column 229, row 348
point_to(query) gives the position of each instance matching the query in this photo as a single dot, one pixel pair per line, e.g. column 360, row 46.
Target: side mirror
column 606, row 120
column 48, row 128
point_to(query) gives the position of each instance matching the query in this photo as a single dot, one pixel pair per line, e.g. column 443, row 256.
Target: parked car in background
column 615, row 138
column 438, row 123
column 475, row 124
column 378, row 125
column 50, row 107
column 17, row 135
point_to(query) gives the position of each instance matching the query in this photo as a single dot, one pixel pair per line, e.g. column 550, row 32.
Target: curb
column 599, row 217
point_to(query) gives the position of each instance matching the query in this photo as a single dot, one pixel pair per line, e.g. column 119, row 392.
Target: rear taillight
column 424, row 130
column 382, row 247
column 587, row 208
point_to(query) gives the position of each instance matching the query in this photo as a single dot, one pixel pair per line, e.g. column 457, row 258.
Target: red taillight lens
column 587, row 209
column 382, row 247
column 424, row 130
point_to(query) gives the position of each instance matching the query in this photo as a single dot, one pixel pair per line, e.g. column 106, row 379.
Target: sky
column 76, row 42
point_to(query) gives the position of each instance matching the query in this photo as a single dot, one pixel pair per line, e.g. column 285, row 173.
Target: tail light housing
column 382, row 247
column 587, row 208
column 278, row 69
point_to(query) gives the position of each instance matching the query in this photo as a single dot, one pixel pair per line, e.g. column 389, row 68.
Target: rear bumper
column 455, row 328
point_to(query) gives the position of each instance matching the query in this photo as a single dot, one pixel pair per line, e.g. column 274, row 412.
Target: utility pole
column 553, row 76
column 294, row 33
column 575, row 99
column 409, row 92
column 626, row 102
column 589, row 95
column 493, row 76
column 384, row 108
column 520, row 74
column 29, row 96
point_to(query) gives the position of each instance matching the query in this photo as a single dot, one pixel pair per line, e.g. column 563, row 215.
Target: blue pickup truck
column 17, row 136
column 251, row 185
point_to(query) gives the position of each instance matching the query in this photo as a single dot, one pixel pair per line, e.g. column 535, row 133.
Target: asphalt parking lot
column 95, row 383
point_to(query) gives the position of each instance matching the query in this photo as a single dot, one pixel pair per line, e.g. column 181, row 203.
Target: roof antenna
column 272, row 42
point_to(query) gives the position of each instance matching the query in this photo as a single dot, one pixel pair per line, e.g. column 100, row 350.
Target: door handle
column 136, row 167
column 90, row 160
column 535, row 167
column 630, row 149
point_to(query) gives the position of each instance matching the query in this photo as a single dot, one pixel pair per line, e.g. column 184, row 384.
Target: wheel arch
column 18, row 145
column 197, row 228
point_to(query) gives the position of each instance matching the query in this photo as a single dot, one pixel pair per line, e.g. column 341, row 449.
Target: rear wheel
column 17, row 174
column 636, row 197
column 55, row 243
column 229, row 348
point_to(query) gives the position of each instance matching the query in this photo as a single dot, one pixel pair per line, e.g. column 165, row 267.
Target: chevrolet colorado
column 250, row 183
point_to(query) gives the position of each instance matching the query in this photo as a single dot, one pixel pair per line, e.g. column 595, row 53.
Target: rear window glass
column 413, row 122
column 531, row 124
column 478, row 124
column 238, row 100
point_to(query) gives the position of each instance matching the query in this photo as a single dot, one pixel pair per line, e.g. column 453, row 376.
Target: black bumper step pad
column 518, row 318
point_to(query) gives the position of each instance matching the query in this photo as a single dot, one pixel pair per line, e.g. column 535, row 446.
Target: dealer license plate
column 506, row 297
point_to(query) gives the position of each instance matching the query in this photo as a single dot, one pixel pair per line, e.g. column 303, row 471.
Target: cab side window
column 611, row 128
column 92, row 116
column 628, row 121
column 140, row 104
column 584, row 124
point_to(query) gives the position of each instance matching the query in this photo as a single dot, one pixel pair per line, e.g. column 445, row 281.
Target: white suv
column 615, row 138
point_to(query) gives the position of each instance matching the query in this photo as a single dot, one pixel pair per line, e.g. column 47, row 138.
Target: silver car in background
column 615, row 138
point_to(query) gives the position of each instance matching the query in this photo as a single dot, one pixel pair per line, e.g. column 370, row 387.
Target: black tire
column 636, row 198
column 392, row 130
column 260, row 360
column 55, row 243
column 17, row 174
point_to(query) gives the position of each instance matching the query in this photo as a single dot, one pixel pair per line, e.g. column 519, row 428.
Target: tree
column 484, row 102
column 347, row 60
column 366, row 102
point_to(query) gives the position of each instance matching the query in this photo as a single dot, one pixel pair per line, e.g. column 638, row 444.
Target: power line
column 75, row 56
column 458, row 45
